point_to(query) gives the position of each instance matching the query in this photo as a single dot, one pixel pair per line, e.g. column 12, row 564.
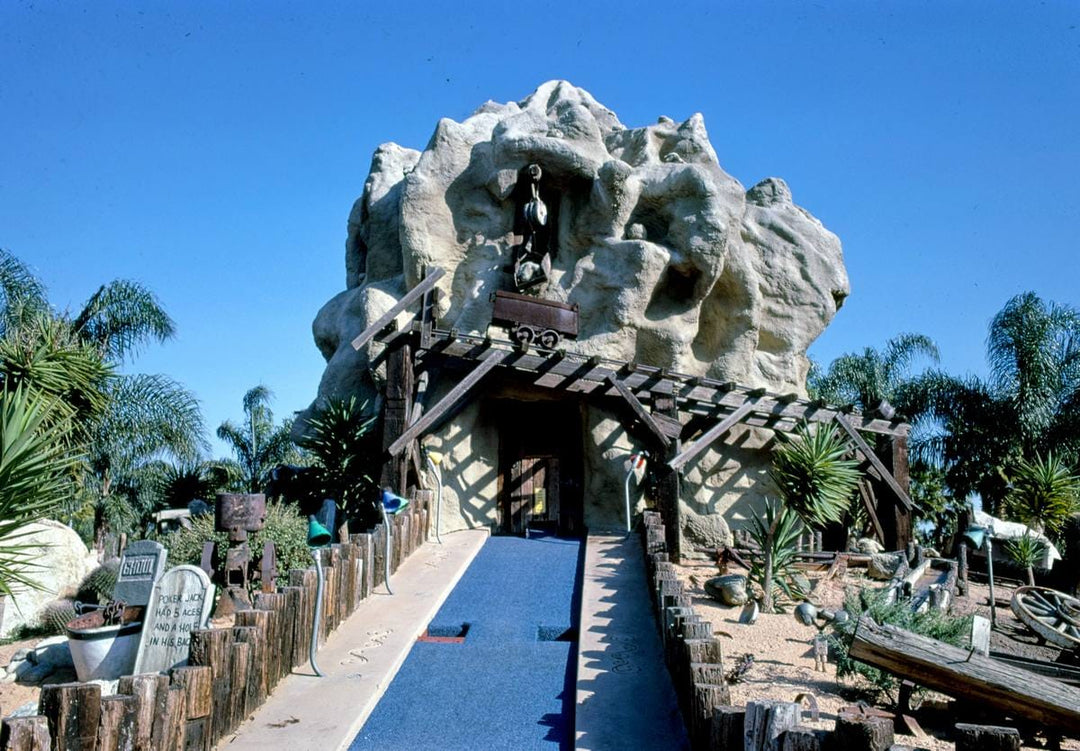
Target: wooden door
column 534, row 492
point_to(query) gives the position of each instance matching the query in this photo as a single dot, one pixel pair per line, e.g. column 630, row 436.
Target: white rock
column 26, row 710
column 869, row 545
column 60, row 560
column 672, row 262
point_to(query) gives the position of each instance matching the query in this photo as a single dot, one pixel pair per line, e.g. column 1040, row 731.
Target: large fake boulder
column 670, row 260
column 60, row 561
column 729, row 589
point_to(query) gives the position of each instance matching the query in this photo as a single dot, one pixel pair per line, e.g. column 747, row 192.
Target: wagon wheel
column 549, row 339
column 1053, row 615
column 524, row 336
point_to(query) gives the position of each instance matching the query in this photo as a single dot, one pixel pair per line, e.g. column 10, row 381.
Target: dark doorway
column 540, row 467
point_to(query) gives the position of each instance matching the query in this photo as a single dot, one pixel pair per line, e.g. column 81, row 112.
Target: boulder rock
column 706, row 530
column 869, row 545
column 670, row 261
column 729, row 589
column 60, row 561
column 883, row 565
column 54, row 651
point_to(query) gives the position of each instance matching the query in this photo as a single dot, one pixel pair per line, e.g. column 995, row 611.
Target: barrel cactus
column 97, row 588
column 56, row 615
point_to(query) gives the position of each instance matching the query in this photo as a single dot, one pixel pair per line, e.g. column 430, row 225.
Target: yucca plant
column 776, row 532
column 1026, row 551
column 813, row 474
column 35, row 466
column 1044, row 494
column 341, row 436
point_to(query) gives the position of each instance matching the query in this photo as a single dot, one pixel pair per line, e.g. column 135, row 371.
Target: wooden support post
column 282, row 645
column 668, row 483
column 248, row 688
column 639, row 411
column 211, row 648
column 802, row 739
column 863, row 732
column 170, row 721
column 986, row 738
column 241, row 672
column 367, row 555
column 706, row 697
column 25, row 734
column 73, row 711
column 196, row 683
column 117, row 729
column 766, row 720
column 398, row 404
column 728, row 729
column 294, row 598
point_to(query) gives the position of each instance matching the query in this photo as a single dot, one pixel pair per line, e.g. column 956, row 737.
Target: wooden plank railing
column 231, row 671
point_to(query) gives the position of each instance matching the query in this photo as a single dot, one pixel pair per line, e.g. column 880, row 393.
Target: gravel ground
column 784, row 663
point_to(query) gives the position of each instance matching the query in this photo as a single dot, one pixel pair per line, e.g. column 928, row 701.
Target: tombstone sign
column 180, row 602
column 140, row 567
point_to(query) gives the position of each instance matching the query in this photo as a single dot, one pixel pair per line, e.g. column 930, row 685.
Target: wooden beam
column 966, row 674
column 711, row 435
column 867, row 494
column 414, row 294
column 494, row 357
column 868, row 452
column 639, row 410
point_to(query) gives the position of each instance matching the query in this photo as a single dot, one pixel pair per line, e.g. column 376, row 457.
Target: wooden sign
column 140, row 568
column 180, row 603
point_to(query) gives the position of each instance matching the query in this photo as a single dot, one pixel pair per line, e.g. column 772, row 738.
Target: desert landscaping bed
column 783, row 660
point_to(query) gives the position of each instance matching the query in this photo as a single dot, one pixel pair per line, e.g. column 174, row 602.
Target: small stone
column 749, row 613
column 729, row 589
column 883, row 565
column 801, row 582
column 26, row 710
column 108, row 688
column 869, row 545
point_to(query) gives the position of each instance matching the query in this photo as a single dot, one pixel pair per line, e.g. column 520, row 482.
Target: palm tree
column 35, row 465
column 122, row 424
column 866, row 380
column 341, row 438
column 258, row 444
column 1028, row 407
column 149, row 418
column 1044, row 495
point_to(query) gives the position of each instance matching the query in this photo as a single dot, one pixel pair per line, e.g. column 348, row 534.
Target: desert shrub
column 284, row 526
column 872, row 603
column 772, row 567
column 1025, row 552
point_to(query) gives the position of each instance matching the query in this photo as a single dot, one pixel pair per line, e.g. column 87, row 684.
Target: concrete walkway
column 360, row 658
column 624, row 695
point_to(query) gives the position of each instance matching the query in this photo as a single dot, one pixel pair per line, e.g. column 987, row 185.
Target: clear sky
column 213, row 150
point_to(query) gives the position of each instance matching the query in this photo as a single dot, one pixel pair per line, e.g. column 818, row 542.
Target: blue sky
column 213, row 150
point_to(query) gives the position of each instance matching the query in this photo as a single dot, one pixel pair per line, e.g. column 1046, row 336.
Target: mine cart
column 533, row 321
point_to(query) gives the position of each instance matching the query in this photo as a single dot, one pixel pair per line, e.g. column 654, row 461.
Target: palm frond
column 122, row 317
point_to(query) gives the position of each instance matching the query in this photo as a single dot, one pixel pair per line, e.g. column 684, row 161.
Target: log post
column 73, row 711
column 143, row 690
column 25, row 734
column 863, row 732
column 765, row 721
column 986, row 738
column 251, row 627
column 116, row 732
column 668, row 486
column 210, row 648
column 706, row 697
column 728, row 729
column 196, row 683
column 802, row 739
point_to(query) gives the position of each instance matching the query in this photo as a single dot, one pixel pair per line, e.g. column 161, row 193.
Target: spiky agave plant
column 813, row 474
column 1026, row 551
column 776, row 532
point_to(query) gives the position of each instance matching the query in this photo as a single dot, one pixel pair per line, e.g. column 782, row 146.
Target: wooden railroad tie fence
column 696, row 664
column 231, row 671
